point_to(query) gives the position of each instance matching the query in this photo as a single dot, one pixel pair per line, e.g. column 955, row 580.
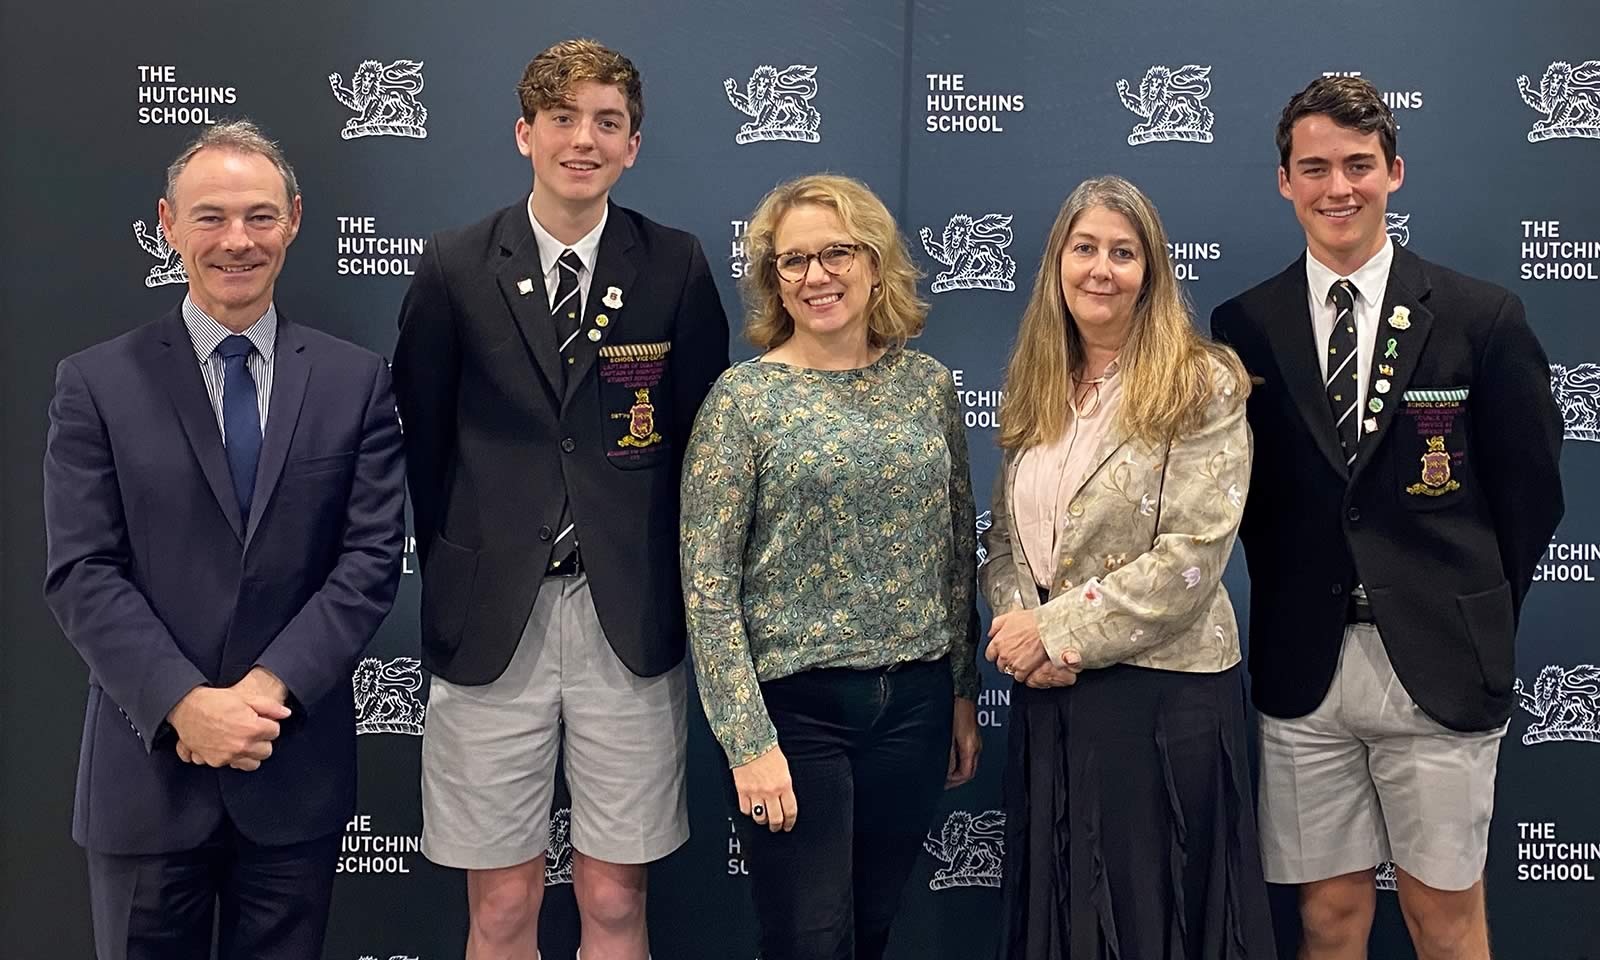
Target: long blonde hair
column 1165, row 363
column 894, row 311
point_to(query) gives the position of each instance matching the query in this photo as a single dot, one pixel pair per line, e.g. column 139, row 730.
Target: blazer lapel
column 290, row 370
column 521, row 279
column 179, row 371
column 614, row 268
column 1396, row 349
column 1294, row 344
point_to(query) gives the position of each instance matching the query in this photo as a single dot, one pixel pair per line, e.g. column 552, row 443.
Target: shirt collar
column 550, row 248
column 1369, row 279
column 206, row 333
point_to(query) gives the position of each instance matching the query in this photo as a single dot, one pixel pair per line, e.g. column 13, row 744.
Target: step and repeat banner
column 973, row 122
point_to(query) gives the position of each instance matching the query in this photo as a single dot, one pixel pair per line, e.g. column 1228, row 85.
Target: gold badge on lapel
column 613, row 298
column 1401, row 318
column 602, row 320
column 1435, row 471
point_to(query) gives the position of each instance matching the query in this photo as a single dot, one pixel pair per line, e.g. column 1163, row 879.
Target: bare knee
column 610, row 896
column 1444, row 924
column 1336, row 914
column 504, row 904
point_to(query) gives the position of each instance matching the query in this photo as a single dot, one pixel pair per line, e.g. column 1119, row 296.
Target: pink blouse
column 1048, row 477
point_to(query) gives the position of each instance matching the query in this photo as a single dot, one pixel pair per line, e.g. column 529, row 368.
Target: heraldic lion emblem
column 558, row 855
column 1577, row 393
column 1169, row 100
column 778, row 103
column 1567, row 703
column 1394, row 224
column 386, row 696
column 1569, row 98
column 386, row 97
column 170, row 269
column 972, row 849
column 975, row 253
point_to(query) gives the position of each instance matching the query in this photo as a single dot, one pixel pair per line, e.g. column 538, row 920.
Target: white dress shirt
column 1370, row 281
column 550, row 250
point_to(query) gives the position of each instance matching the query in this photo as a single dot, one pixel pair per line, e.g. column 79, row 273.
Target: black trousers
column 267, row 902
column 867, row 751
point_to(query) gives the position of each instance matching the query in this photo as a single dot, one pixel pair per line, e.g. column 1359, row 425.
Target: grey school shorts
column 489, row 752
column 1369, row 777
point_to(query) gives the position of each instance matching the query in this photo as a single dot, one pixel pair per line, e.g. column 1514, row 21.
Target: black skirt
column 1130, row 828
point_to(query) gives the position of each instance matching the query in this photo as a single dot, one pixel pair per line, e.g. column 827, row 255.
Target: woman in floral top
column 1130, row 832
column 828, row 554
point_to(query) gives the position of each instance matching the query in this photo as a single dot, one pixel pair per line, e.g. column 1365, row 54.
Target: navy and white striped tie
column 1343, row 380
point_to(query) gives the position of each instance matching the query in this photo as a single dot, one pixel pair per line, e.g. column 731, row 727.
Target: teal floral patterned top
column 827, row 522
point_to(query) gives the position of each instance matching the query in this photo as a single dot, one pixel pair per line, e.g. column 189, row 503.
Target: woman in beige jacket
column 1130, row 830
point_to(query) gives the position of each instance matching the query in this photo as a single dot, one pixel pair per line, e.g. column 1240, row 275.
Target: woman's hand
column 965, row 744
column 1014, row 644
column 766, row 794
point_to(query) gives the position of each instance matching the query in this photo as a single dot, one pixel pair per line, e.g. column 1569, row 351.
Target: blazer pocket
column 447, row 580
column 1491, row 628
column 635, row 404
column 311, row 466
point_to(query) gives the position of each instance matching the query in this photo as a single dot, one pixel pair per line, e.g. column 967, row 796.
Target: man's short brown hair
column 548, row 80
column 1351, row 102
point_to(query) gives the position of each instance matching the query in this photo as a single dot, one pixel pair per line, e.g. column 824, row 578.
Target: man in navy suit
column 223, row 497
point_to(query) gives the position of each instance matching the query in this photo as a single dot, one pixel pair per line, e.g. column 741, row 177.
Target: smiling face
column 1102, row 271
column 579, row 148
column 1340, row 189
column 230, row 220
column 824, row 307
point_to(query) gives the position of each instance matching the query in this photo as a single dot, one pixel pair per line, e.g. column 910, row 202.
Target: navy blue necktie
column 241, row 419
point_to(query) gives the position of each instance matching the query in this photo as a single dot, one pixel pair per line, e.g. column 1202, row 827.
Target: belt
column 569, row 566
column 1358, row 610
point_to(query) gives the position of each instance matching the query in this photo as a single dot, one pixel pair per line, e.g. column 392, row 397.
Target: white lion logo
column 1394, row 224
column 972, row 849
column 1577, row 393
column 985, row 521
column 558, row 855
column 779, row 104
column 170, row 269
column 386, row 97
column 386, row 696
column 1569, row 98
column 1169, row 100
column 975, row 253
column 1567, row 703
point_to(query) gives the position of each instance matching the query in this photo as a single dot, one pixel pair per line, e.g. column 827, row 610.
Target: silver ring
column 757, row 811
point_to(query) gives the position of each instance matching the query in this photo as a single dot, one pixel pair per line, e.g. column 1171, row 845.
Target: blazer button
column 1338, row 588
column 545, row 533
column 1355, row 514
column 568, row 446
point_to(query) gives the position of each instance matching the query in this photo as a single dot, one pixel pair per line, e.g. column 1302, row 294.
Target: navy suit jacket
column 160, row 588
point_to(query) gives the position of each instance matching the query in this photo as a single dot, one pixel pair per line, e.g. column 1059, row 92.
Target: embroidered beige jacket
column 1139, row 560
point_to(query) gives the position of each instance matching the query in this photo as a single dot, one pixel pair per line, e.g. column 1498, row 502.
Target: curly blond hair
column 548, row 79
column 895, row 313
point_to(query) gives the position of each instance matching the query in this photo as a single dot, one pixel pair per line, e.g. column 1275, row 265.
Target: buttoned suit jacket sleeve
column 1158, row 596
column 89, row 585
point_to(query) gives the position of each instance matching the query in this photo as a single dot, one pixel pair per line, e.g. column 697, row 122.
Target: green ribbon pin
column 1391, row 353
